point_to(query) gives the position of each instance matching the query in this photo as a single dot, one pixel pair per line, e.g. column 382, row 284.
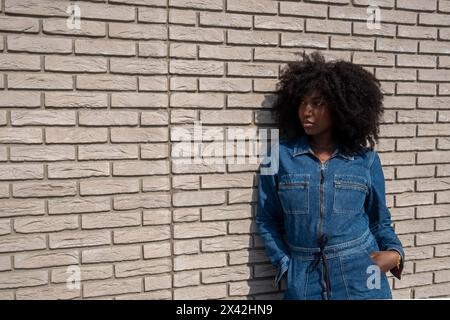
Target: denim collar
column 302, row 146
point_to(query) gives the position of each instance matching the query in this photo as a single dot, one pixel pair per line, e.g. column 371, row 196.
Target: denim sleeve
column 269, row 219
column 380, row 216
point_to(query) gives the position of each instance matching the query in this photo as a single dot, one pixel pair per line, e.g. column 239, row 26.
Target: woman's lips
column 308, row 124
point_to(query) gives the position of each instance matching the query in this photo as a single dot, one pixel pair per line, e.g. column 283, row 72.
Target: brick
column 186, row 278
column 150, row 295
column 184, row 17
column 252, row 37
column 183, row 84
column 78, row 205
column 23, row 279
column 108, row 118
column 106, row 82
column 153, row 83
column 230, row 242
column 20, row 62
column 201, row 292
column 156, row 183
column 48, row 293
column 411, row 280
column 73, row 239
column 139, row 100
column 186, row 182
column 185, row 215
column 158, row 282
column 40, row 81
column 137, row 31
column 433, row 211
column 105, row 152
column 75, row 64
column 278, row 23
column 409, row 88
column 155, row 217
column 42, row 153
column 153, row 15
column 142, row 267
column 75, row 100
column 328, row 26
column 416, row 171
column 303, row 9
column 196, row 100
column 44, row 189
column 108, row 186
column 417, row 5
column 139, row 134
column 42, row 117
column 182, row 33
column 226, row 274
column 111, row 287
column 432, row 157
column 75, row 135
column 20, row 135
column 157, row 250
column 12, row 99
column 205, row 260
column 56, row 8
column 143, row 234
column 354, row 43
column 435, row 290
column 183, row 50
column 111, row 220
column 432, row 264
column 411, row 198
column 19, row 24
column 159, row 117
column 45, row 259
column 428, row 46
column 21, row 172
column 32, row 44
column 415, row 144
column 224, row 20
column 154, row 151
column 433, row 237
column 249, row 287
column 224, row 52
column 93, row 272
column 5, row 227
column 196, row 67
column 418, row 253
column 226, row 84
column 414, row 226
column 199, row 229
column 45, row 224
column 16, row 207
column 433, row 103
column 138, row 66
column 105, row 47
column 122, row 253
column 186, row 246
column 153, row 48
column 77, row 170
column 147, row 201
column 199, row 198
column 408, row 60
column 198, row 4
column 88, row 28
column 22, row 243
column 434, row 19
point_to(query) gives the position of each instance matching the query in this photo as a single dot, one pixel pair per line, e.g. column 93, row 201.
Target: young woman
column 322, row 215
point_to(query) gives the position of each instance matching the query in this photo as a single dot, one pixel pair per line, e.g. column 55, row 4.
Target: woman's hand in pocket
column 386, row 260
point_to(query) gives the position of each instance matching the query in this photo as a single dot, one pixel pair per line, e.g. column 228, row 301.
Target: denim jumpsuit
column 320, row 222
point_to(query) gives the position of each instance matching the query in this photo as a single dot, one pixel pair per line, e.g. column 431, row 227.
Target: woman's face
column 314, row 114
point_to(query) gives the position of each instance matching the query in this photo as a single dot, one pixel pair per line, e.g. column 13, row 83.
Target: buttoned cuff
column 281, row 269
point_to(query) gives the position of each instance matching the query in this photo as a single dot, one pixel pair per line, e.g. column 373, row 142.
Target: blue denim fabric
column 344, row 199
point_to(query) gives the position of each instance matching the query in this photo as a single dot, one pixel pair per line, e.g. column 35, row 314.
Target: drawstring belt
column 322, row 256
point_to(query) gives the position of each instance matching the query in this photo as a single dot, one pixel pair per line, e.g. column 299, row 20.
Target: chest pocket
column 349, row 193
column 293, row 191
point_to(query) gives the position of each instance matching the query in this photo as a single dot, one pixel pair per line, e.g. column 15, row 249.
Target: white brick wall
column 88, row 125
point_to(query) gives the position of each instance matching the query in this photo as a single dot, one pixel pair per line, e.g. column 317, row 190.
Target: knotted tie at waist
column 318, row 256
